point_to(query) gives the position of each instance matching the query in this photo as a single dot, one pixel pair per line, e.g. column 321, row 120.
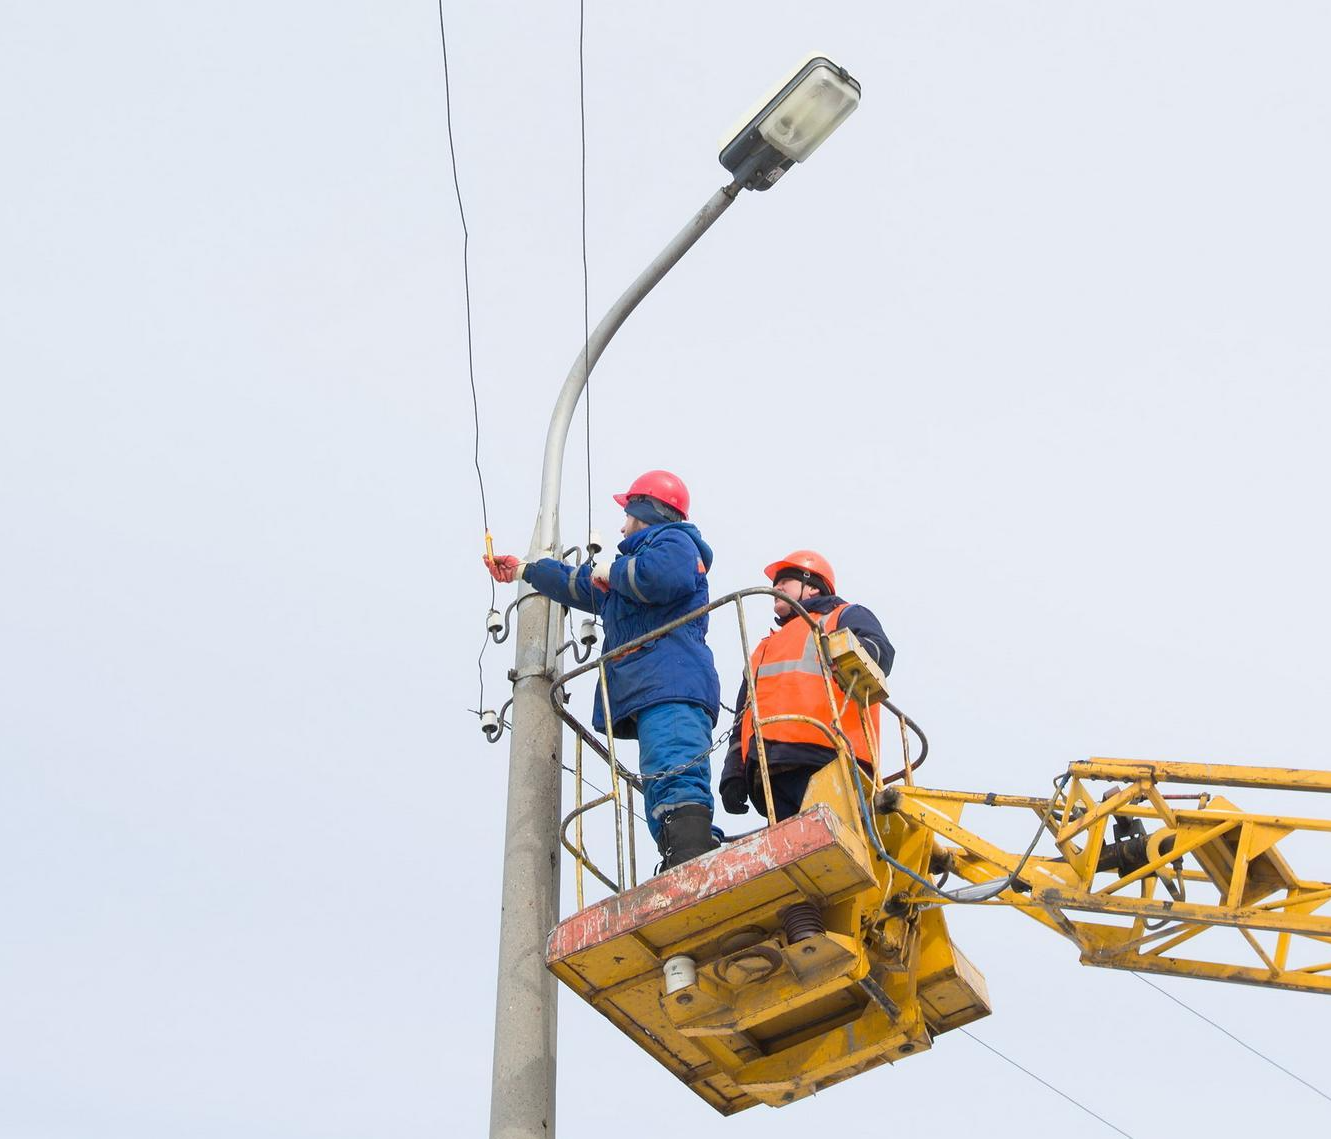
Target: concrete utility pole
column 792, row 124
column 522, row 1098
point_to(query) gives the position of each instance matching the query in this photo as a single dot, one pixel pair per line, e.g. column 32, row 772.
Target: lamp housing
column 792, row 124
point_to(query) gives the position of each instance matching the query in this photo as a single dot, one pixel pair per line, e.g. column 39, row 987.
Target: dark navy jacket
column 781, row 754
column 660, row 575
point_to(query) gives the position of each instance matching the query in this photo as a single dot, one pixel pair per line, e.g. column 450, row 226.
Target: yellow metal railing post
column 907, row 772
column 752, row 685
column 871, row 737
column 866, row 726
column 633, row 842
column 614, row 775
column 845, row 753
column 577, row 804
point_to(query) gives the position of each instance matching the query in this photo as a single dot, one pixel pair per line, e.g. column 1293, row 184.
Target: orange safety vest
column 789, row 680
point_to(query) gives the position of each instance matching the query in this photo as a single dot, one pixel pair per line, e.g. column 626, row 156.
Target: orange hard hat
column 804, row 563
column 662, row 486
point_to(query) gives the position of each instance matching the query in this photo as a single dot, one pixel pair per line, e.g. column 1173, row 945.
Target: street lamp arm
column 547, row 526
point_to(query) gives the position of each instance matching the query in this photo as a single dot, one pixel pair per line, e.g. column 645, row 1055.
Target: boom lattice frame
column 1137, row 888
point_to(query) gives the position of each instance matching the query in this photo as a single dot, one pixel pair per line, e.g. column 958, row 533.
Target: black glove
column 735, row 797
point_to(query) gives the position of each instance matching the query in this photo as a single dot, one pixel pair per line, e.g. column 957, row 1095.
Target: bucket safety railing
column 624, row 782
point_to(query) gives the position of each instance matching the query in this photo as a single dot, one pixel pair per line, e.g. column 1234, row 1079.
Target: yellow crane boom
column 1163, row 876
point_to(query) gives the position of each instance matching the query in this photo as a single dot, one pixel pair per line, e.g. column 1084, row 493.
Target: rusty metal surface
column 712, row 875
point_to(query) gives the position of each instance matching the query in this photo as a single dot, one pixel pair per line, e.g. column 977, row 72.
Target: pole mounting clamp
column 514, row 675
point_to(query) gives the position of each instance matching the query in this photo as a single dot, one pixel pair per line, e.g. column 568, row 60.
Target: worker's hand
column 504, row 567
column 735, row 797
column 601, row 576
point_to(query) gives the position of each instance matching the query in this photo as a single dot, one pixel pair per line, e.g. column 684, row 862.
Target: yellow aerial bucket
column 769, row 969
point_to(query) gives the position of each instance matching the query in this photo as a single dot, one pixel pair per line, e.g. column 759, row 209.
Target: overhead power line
column 1242, row 1043
column 586, row 308
column 1046, row 1083
column 471, row 367
column 586, row 314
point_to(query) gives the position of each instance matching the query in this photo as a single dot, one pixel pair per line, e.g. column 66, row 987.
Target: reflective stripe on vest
column 793, row 684
column 808, row 661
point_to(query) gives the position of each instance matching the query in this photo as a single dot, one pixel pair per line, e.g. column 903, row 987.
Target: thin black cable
column 1046, row 1083
column 952, row 896
column 586, row 310
column 471, row 368
column 1237, row 1040
column 586, row 306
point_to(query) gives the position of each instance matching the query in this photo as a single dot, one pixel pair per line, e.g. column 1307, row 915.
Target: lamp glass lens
column 798, row 124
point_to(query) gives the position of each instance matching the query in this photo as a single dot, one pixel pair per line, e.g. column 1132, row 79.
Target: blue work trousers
column 674, row 746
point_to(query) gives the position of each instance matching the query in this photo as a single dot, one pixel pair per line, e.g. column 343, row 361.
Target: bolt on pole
column 522, row 1096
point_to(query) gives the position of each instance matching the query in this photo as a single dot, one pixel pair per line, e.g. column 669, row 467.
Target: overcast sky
column 1035, row 349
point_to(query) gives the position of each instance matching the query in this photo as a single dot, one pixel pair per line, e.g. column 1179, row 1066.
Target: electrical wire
column 586, row 311
column 959, row 896
column 471, row 367
column 586, row 304
column 1046, row 1083
column 1237, row 1040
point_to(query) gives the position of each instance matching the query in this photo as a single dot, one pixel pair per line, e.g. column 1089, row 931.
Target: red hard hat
column 661, row 485
column 810, row 561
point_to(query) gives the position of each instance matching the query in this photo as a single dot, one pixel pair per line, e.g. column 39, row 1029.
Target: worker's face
column 791, row 587
column 632, row 525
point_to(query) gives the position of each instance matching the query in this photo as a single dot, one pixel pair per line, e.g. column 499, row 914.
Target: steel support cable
column 1040, row 1080
column 471, row 367
column 1236, row 1039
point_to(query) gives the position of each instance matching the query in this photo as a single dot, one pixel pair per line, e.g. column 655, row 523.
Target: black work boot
column 686, row 832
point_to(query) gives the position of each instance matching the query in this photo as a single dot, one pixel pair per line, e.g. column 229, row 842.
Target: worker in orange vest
column 790, row 681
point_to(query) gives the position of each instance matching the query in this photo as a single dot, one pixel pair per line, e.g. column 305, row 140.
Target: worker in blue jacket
column 666, row 693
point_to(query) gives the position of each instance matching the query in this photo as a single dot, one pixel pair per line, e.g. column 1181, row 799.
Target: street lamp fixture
column 792, row 124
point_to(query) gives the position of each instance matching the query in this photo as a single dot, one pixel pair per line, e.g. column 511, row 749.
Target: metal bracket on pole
column 514, row 675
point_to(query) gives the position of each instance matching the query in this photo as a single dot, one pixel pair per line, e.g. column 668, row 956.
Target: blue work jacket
column 661, row 574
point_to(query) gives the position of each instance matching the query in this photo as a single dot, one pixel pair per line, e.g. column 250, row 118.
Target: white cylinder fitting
column 587, row 632
column 490, row 723
column 680, row 973
column 494, row 622
column 594, row 543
